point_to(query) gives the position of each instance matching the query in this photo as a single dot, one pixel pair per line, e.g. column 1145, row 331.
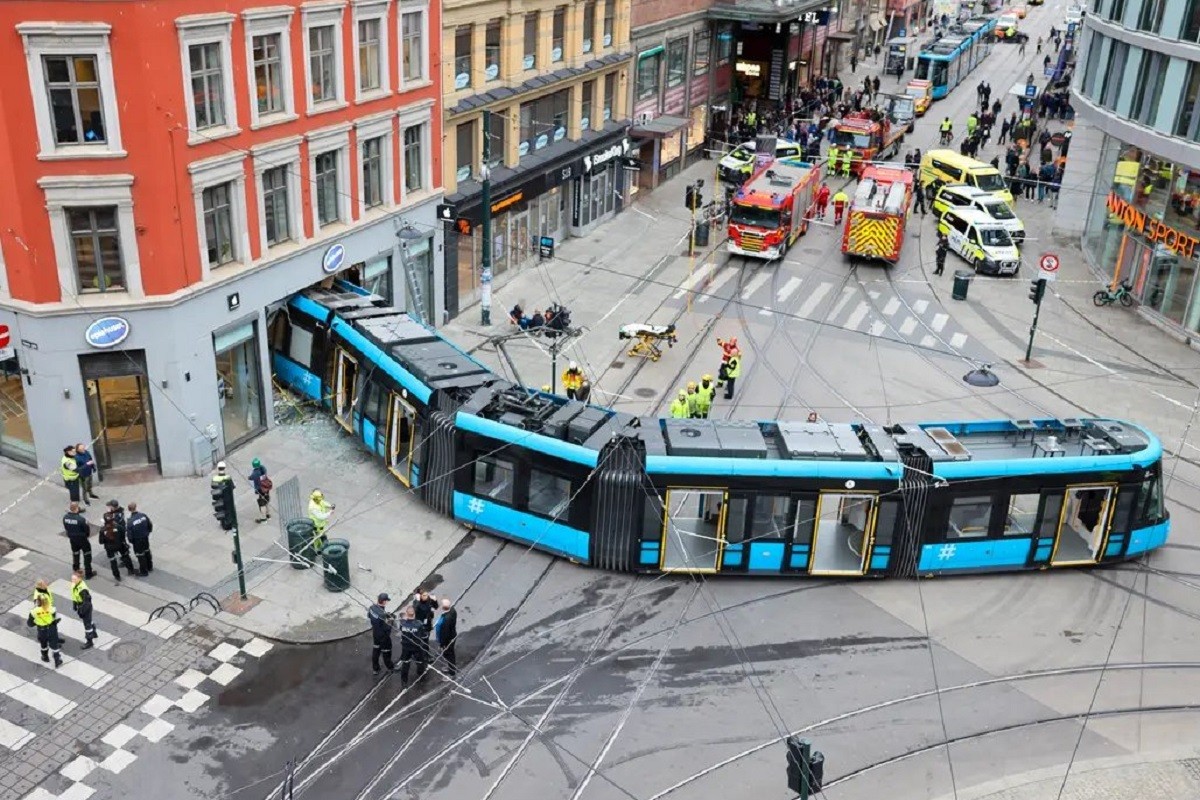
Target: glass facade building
column 1138, row 84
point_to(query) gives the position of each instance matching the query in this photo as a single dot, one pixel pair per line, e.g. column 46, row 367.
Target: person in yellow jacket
column 730, row 372
column 319, row 510
column 679, row 406
column 692, row 400
column 42, row 589
column 45, row 619
column 572, row 379
column 69, row 469
column 705, row 393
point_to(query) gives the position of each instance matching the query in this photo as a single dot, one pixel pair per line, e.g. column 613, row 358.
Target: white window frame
column 365, row 10
column 82, row 191
column 267, row 22
column 335, row 137
column 417, row 114
column 200, row 29
column 210, row 172
column 283, row 153
column 413, row 7
column 320, row 15
column 71, row 38
column 374, row 127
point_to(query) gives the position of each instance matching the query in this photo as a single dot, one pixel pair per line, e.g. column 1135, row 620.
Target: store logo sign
column 333, row 259
column 1153, row 230
column 594, row 161
column 107, row 332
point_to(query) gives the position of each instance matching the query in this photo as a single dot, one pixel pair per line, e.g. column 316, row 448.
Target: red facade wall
column 648, row 12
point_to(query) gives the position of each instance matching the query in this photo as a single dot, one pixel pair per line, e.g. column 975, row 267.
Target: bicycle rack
column 205, row 597
column 176, row 608
column 180, row 611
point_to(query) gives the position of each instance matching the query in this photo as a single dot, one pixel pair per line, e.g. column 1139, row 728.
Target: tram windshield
column 755, row 216
column 990, row 182
column 923, row 69
column 939, row 73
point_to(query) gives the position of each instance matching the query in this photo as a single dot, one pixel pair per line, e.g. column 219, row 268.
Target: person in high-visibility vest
column 839, row 206
column 45, row 619
column 733, row 370
column 81, row 601
column 42, row 589
column 69, row 469
column 572, row 379
column 319, row 510
column 705, row 393
column 679, row 406
column 691, row 399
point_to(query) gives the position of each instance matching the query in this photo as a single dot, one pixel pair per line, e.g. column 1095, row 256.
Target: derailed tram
column 643, row 494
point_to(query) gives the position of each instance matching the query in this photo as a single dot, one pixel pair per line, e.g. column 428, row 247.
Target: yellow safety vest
column 572, row 379
column 77, row 591
column 735, row 366
column 44, row 617
column 692, row 403
column 947, row 125
column 704, row 398
column 38, row 594
column 318, row 512
column 67, row 468
column 679, row 409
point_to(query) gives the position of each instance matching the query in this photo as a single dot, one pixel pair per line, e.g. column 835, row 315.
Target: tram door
column 1083, row 525
column 844, row 533
column 694, row 530
column 401, row 438
column 345, row 386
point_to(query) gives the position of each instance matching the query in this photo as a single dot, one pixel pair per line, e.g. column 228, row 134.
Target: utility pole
column 1037, row 290
column 485, row 274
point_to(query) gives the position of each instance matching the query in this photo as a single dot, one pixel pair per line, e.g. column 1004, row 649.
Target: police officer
column 69, row 469
column 319, row 510
column 45, row 619
column 140, row 528
column 447, row 635
column 733, row 370
column 705, row 393
column 81, row 601
column 572, row 380
column 381, row 633
column 42, row 589
column 679, row 406
column 918, row 198
column 425, row 606
column 414, row 645
column 78, row 534
column 943, row 245
column 112, row 536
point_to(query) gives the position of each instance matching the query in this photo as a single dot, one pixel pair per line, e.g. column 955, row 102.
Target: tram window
column 969, row 517
column 652, row 517
column 806, row 520
column 1048, row 528
column 1150, row 500
column 300, row 346
column 1125, row 501
column 1022, row 515
column 372, row 395
column 494, row 478
column 885, row 522
column 549, row 494
column 735, row 519
column 771, row 517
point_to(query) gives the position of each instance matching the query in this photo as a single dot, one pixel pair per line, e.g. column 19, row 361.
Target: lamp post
column 485, row 174
column 407, row 234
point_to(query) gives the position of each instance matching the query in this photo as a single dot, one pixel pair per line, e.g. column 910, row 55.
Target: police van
column 959, row 195
column 737, row 166
column 980, row 240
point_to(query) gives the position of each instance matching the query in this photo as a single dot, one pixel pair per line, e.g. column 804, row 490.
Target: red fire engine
column 773, row 208
column 871, row 139
column 878, row 214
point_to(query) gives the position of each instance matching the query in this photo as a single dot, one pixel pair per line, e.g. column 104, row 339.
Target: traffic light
column 1037, row 290
column 805, row 767
column 691, row 197
column 222, row 503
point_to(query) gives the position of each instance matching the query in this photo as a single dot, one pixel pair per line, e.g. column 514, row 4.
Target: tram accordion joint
column 640, row 330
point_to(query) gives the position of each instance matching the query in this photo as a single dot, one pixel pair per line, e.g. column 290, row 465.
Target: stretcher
column 648, row 339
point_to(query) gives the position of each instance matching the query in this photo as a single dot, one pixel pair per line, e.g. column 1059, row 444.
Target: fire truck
column 878, row 214
column 773, row 208
column 870, row 138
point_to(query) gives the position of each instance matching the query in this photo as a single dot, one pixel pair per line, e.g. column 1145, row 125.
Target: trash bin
column 962, row 281
column 336, row 557
column 702, row 230
column 300, row 536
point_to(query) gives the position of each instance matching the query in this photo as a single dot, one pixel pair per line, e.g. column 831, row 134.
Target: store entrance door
column 119, row 409
column 519, row 239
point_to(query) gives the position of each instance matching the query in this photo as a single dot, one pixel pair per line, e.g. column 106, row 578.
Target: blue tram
column 947, row 60
column 620, row 492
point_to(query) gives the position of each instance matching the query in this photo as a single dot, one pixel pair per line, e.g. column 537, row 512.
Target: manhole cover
column 126, row 652
column 617, row 364
column 646, row 392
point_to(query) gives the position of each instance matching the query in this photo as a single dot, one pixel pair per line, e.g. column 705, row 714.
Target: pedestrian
column 919, row 198
column 45, row 619
column 81, row 601
column 1022, row 50
column 979, row 92
column 319, row 510
column 854, row 62
column 69, row 469
column 943, row 246
column 692, row 400
column 1039, row 44
column 1005, row 127
column 414, row 645
column 86, row 467
column 381, row 633
column 1046, row 62
column 987, row 93
column 140, row 527
column 706, row 392
column 874, row 86
column 79, row 535
column 262, row 490
column 917, row 160
column 112, row 536
column 733, row 370
column 839, row 206
column 42, row 589
column 425, row 606
column 878, row 50
column 679, row 406
column 822, row 200
column 996, row 107
column 446, row 629
column 572, row 379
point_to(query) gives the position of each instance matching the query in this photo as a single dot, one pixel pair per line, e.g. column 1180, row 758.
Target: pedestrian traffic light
column 222, row 503
column 691, row 197
column 1037, row 290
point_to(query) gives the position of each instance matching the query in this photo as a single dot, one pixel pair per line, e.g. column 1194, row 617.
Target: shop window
column 587, row 89
column 377, row 277
column 531, row 38
column 462, row 56
column 418, row 262
column 647, row 76
column 558, row 34
column 1021, row 519
column 494, row 478
column 528, row 137
column 610, row 90
column 700, row 57
column 676, row 63
column 465, row 143
column 96, row 247
column 969, row 517
column 239, row 383
column 610, row 17
column 589, row 25
column 561, row 107
column 491, row 51
column 549, row 495
column 772, row 517
column 16, row 435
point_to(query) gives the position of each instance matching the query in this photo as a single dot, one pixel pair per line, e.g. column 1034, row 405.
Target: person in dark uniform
column 112, row 536
column 414, row 645
column 45, row 619
column 446, row 629
column 81, row 601
column 69, row 469
column 139, row 528
column 425, row 606
column 918, row 198
column 943, row 246
column 381, row 633
column 78, row 534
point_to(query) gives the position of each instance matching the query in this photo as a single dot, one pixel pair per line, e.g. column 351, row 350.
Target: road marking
column 908, row 326
column 690, row 281
column 35, row 696
column 847, row 293
column 877, row 328
column 892, row 307
column 874, row 295
column 928, row 341
column 14, row 737
column 755, row 284
column 68, row 626
column 27, row 648
column 813, row 300
column 792, row 285
column 958, row 340
column 858, row 315
column 939, row 322
column 765, row 312
column 920, row 306
column 164, row 629
column 711, row 290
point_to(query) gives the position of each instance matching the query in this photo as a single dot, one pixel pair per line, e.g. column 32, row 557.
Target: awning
column 659, row 127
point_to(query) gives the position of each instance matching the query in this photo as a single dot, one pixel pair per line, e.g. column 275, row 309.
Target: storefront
column 1143, row 226
column 16, row 435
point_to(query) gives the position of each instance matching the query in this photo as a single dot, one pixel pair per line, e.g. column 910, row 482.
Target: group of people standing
column 696, row 400
column 416, row 624
column 44, row 618
column 117, row 534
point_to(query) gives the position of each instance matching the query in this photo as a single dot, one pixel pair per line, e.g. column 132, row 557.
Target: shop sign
column 594, row 161
column 333, row 259
column 546, row 246
column 1154, row 231
column 107, row 332
column 507, row 202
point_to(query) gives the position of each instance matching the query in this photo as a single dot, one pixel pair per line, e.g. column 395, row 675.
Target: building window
column 589, row 25
column 1150, row 15
column 208, row 84
column 531, row 38
column 372, row 172
column 326, row 177
column 1191, row 21
column 1150, row 84
column 610, row 90
column 544, row 121
column 725, row 43
column 610, row 18
column 558, row 34
column 676, row 63
column 413, row 32
column 96, row 246
column 700, row 57
column 322, row 63
column 465, row 142
column 647, row 76
column 491, row 51
column 276, row 214
column 74, row 88
column 268, row 74
column 370, row 69
column 498, row 130
column 462, row 56
column 1187, row 100
column 218, row 224
column 414, row 158
column 585, row 105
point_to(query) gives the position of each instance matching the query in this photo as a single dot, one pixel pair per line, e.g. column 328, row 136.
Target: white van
column 981, row 241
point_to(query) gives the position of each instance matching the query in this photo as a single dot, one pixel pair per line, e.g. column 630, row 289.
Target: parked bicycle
column 1106, row 297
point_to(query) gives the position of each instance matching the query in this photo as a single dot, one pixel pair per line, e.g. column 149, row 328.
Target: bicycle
column 947, row 137
column 1106, row 297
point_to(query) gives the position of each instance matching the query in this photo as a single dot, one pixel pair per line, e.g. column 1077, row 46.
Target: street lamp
column 982, row 377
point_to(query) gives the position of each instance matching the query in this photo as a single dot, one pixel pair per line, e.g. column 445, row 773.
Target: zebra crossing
column 821, row 298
